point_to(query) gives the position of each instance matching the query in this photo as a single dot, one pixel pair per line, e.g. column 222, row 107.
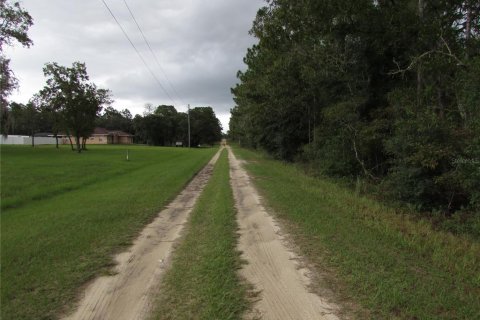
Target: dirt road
column 127, row 295
column 271, row 267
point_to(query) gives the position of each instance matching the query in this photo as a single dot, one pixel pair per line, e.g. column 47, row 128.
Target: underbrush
column 463, row 222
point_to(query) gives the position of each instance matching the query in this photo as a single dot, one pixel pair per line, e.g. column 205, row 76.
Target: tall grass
column 392, row 265
column 54, row 242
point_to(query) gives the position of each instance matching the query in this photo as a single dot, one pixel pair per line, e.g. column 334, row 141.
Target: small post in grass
column 127, row 155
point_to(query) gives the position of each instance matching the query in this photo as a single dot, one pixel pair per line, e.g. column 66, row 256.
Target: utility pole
column 188, row 116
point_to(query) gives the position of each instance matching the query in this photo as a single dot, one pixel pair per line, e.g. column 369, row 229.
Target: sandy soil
column 127, row 295
column 271, row 267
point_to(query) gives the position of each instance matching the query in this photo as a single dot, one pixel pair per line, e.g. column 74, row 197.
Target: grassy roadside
column 395, row 267
column 52, row 245
column 30, row 174
column 202, row 282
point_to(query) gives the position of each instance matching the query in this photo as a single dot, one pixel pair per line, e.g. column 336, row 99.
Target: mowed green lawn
column 65, row 214
column 393, row 266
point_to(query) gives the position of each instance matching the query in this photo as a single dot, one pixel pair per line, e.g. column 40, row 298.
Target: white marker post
column 127, row 155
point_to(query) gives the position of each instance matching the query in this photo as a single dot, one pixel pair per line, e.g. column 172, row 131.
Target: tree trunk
column 468, row 22
column 71, row 142
column 421, row 5
column 468, row 29
column 441, row 104
column 314, row 115
column 419, row 83
column 56, row 140
column 33, row 139
column 360, row 161
column 309, row 124
column 77, row 141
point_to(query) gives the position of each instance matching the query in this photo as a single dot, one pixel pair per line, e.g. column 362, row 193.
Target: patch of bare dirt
column 274, row 270
column 128, row 294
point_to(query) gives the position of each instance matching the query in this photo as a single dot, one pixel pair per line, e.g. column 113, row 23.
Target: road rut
column 127, row 295
column 271, row 267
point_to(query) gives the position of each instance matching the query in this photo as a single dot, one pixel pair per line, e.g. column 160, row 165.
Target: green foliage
column 424, row 148
column 380, row 89
column 165, row 126
column 14, row 24
column 113, row 119
column 78, row 101
column 205, row 126
column 468, row 163
column 23, row 119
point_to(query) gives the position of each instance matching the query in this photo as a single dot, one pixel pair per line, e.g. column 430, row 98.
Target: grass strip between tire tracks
column 202, row 282
column 394, row 266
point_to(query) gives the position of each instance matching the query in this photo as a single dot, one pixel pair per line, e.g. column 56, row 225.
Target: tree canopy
column 165, row 126
column 387, row 90
column 113, row 119
column 78, row 101
column 14, row 25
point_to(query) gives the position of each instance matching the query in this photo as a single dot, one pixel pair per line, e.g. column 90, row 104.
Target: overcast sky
column 199, row 45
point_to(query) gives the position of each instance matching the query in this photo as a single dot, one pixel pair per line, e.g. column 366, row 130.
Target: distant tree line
column 387, row 91
column 165, row 126
column 112, row 119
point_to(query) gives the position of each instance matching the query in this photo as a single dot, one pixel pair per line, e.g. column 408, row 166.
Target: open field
column 390, row 265
column 202, row 282
column 65, row 214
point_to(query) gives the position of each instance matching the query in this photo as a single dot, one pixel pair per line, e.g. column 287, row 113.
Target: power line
column 138, row 53
column 153, row 53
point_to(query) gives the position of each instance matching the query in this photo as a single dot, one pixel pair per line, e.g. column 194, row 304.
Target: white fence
column 26, row 140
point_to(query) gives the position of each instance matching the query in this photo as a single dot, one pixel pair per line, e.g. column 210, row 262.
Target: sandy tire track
column 271, row 267
column 128, row 294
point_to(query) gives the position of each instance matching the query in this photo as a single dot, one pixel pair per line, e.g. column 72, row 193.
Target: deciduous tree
column 14, row 24
column 78, row 100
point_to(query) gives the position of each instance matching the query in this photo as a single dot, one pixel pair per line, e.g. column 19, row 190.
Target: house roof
column 43, row 134
column 121, row 133
column 106, row 132
column 99, row 130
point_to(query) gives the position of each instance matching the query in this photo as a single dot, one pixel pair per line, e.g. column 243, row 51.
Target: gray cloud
column 200, row 46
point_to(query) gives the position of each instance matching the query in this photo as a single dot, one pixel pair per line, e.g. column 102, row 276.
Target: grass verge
column 30, row 174
column 52, row 245
column 202, row 282
column 394, row 266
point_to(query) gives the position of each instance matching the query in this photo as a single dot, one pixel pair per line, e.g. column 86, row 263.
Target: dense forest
column 380, row 91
